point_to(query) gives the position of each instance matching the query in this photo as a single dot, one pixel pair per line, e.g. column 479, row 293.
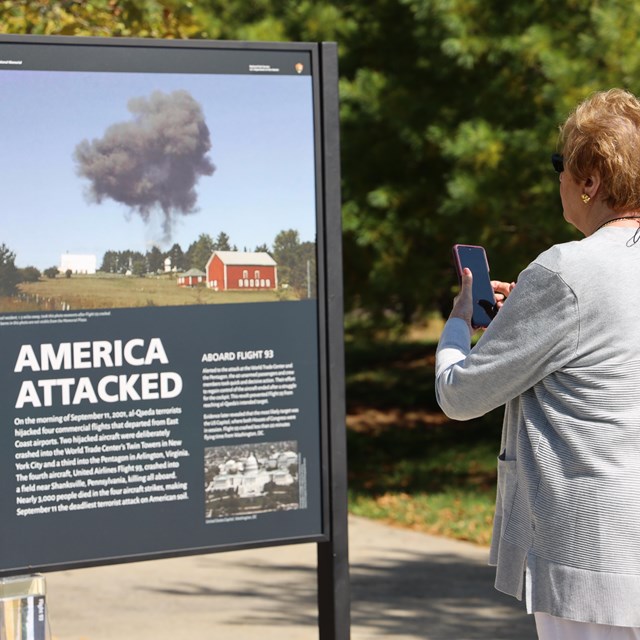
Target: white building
column 78, row 263
column 249, row 477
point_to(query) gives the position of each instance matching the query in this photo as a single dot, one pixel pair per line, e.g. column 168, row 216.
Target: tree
column 222, row 242
column 307, row 258
column 177, row 257
column 155, row 260
column 133, row 262
column 285, row 247
column 199, row 252
column 138, row 266
column 51, row 272
column 144, row 18
column 448, row 139
column 8, row 271
column 29, row 274
column 123, row 261
column 110, row 262
column 296, row 262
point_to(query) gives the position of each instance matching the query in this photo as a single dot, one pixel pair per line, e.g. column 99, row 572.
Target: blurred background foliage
column 450, row 111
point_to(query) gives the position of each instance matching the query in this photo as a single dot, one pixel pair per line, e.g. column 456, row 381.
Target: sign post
column 333, row 555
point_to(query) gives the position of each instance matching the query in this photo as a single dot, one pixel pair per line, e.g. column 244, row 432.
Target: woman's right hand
column 501, row 291
column 463, row 302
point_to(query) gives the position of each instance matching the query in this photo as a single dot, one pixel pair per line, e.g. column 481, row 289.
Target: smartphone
column 484, row 302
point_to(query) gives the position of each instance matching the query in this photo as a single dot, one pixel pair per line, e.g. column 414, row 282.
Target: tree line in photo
column 296, row 261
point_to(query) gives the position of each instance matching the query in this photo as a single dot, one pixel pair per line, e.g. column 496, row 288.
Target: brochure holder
column 23, row 613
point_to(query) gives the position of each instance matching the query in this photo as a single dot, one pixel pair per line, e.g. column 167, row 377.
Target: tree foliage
column 9, row 275
column 222, row 242
column 199, row 252
column 51, row 272
column 122, row 262
column 177, row 257
column 140, row 18
column 449, row 113
column 154, row 260
column 29, row 274
column 296, row 262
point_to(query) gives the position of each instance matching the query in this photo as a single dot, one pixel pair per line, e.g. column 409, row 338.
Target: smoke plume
column 152, row 162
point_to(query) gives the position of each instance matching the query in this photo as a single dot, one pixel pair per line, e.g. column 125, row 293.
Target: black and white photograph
column 251, row 478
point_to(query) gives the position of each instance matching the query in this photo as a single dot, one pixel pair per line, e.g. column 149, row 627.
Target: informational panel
column 161, row 287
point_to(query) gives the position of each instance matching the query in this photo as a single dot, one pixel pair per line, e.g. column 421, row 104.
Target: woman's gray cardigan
column 563, row 353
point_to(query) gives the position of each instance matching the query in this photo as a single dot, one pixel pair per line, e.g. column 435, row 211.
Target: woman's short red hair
column 603, row 134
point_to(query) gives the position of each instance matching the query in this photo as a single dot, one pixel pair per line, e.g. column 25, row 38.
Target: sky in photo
column 261, row 130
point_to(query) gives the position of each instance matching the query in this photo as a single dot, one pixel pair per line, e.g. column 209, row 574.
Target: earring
column 585, row 198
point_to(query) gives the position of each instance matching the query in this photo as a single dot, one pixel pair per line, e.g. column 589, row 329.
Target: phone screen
column 484, row 301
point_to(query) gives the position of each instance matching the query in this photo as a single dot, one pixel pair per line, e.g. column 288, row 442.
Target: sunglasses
column 558, row 162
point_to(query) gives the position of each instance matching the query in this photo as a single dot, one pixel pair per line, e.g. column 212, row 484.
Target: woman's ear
column 592, row 185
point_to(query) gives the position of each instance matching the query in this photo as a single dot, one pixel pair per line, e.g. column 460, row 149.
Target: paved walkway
column 405, row 585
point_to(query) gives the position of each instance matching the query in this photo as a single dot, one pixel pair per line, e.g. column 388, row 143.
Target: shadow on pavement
column 423, row 596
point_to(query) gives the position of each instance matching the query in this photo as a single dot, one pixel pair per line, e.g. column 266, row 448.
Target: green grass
column 408, row 464
column 105, row 291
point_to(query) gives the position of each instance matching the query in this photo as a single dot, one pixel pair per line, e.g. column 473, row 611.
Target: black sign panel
column 162, row 314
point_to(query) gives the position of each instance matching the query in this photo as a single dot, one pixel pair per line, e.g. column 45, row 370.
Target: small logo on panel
column 299, row 67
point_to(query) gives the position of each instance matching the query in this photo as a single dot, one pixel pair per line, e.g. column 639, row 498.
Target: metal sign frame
column 332, row 538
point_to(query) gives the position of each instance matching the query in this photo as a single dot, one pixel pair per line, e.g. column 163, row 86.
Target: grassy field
column 107, row 291
column 408, row 464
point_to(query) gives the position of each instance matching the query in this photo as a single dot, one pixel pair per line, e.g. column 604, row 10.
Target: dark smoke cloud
column 153, row 162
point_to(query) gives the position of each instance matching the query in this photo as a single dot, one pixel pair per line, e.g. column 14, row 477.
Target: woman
column 563, row 354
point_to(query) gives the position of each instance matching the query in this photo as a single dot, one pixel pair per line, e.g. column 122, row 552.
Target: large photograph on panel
column 158, row 306
column 134, row 190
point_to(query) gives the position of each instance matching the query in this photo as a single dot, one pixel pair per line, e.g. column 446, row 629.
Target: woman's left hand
column 501, row 291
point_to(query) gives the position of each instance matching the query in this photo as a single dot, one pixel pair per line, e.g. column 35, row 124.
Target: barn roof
column 193, row 272
column 249, row 258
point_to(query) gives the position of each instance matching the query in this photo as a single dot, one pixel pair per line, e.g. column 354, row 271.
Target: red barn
column 238, row 270
column 191, row 278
